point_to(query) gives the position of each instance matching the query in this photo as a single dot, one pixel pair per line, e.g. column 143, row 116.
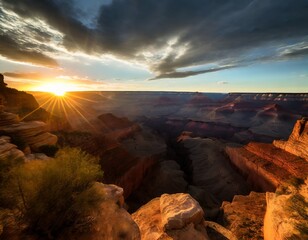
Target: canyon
column 228, row 163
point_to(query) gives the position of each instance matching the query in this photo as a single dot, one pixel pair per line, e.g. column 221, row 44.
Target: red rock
column 244, row 216
column 297, row 143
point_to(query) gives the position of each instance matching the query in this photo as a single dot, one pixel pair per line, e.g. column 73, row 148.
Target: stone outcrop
column 297, row 143
column 150, row 217
column 9, row 150
column 286, row 214
column 31, row 133
column 178, row 210
column 211, row 170
column 244, row 216
column 264, row 166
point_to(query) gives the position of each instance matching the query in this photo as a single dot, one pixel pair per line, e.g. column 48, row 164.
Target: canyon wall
column 297, row 142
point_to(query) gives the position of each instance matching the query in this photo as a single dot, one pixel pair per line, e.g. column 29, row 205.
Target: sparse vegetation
column 7, row 200
column 55, row 194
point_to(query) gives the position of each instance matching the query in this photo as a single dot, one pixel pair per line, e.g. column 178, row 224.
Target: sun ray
column 40, row 106
column 84, row 118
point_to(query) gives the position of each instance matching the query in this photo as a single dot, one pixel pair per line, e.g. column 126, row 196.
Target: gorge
column 222, row 152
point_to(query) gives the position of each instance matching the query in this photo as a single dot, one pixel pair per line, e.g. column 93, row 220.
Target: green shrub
column 49, row 150
column 56, row 193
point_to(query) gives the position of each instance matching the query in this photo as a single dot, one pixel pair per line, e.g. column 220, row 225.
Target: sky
column 151, row 45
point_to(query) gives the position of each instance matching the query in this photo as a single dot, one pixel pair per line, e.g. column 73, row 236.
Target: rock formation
column 244, row 216
column 264, row 166
column 161, row 219
column 32, row 133
column 297, row 142
column 178, row 210
column 211, row 170
column 283, row 176
column 9, row 150
column 286, row 213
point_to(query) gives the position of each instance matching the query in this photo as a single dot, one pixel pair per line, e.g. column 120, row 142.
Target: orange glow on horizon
column 58, row 88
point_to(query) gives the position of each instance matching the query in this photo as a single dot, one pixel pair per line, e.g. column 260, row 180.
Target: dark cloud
column 296, row 53
column 190, row 73
column 26, row 75
column 58, row 14
column 11, row 49
column 217, row 32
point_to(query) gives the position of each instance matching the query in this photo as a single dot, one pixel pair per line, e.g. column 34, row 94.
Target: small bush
column 56, row 193
column 49, row 150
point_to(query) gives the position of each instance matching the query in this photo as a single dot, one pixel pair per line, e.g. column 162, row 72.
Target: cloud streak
column 172, row 34
column 11, row 49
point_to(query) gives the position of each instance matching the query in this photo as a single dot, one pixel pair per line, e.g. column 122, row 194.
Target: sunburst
column 59, row 100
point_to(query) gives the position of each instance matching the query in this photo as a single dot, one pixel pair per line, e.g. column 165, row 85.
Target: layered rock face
column 176, row 216
column 269, row 168
column 32, row 133
column 244, row 216
column 211, row 170
column 286, row 213
column 9, row 150
column 264, row 166
column 297, row 143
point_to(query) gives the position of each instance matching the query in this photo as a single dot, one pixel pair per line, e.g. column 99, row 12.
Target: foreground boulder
column 286, row 214
column 179, row 210
column 175, row 216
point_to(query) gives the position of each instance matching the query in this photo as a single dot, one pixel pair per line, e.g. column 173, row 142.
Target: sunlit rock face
column 286, row 212
column 33, row 134
column 174, row 216
column 283, row 176
column 265, row 166
column 244, row 215
column 297, row 143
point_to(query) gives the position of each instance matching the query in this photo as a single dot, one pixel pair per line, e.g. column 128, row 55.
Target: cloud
column 190, row 73
column 172, row 34
column 11, row 49
column 31, row 75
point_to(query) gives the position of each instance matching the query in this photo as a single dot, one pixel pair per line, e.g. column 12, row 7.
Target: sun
column 58, row 89
column 59, row 92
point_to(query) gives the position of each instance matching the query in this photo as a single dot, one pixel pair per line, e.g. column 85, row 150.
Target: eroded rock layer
column 286, row 213
column 153, row 218
column 33, row 133
column 297, row 143
column 244, row 216
column 264, row 166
